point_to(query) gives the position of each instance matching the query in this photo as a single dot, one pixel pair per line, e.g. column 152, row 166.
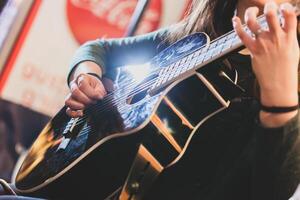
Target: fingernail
column 234, row 21
column 286, row 7
column 270, row 5
column 79, row 80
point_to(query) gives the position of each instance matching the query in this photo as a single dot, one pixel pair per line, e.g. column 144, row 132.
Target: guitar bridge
column 67, row 134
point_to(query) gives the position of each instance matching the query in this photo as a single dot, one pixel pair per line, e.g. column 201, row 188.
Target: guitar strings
column 106, row 102
column 146, row 84
column 107, row 99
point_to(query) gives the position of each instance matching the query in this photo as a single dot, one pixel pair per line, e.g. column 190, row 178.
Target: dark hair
column 210, row 16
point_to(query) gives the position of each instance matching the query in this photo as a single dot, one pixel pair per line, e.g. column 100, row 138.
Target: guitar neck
column 206, row 54
column 219, row 47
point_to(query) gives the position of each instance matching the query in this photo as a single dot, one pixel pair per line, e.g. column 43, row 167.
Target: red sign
column 89, row 19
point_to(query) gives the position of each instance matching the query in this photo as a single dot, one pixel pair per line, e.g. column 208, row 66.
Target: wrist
column 274, row 120
column 99, row 77
column 85, row 68
column 279, row 99
column 281, row 106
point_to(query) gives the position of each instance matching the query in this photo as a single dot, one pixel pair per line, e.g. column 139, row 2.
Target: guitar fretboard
column 218, row 48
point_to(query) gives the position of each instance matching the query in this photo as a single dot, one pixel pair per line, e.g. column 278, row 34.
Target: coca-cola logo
column 91, row 19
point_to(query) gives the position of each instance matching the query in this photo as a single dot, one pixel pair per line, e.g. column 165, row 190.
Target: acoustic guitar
column 142, row 127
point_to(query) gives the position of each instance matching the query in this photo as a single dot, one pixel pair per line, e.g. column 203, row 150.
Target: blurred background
column 37, row 41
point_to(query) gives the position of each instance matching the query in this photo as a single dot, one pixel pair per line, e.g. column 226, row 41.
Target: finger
column 247, row 40
column 101, row 89
column 94, row 91
column 73, row 104
column 290, row 19
column 74, row 113
column 270, row 11
column 251, row 20
column 79, row 95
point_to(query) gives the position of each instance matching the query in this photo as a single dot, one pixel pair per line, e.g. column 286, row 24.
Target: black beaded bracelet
column 278, row 109
column 96, row 75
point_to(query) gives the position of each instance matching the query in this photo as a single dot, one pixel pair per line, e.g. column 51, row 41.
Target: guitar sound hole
column 141, row 90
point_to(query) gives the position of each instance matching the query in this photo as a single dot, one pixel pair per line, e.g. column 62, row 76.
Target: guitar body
column 71, row 155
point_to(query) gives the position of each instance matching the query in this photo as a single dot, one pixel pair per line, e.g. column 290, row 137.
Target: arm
column 275, row 59
column 108, row 54
column 103, row 56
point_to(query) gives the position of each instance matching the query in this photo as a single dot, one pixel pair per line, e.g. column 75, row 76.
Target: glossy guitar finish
column 70, row 154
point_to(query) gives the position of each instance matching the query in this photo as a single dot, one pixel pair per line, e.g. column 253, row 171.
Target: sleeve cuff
column 289, row 126
column 91, row 51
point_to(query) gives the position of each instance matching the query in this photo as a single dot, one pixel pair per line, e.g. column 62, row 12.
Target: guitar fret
column 200, row 58
column 173, row 67
column 177, row 72
column 221, row 41
column 190, row 57
column 226, row 46
column 231, row 35
column 216, row 51
column 216, row 48
column 185, row 68
column 162, row 72
column 212, row 46
column 158, row 82
column 172, row 73
column 236, row 41
column 192, row 64
column 207, row 56
column 170, row 77
column 197, row 53
column 182, row 61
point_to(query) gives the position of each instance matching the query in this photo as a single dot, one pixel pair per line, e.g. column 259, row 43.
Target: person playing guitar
column 274, row 57
column 250, row 151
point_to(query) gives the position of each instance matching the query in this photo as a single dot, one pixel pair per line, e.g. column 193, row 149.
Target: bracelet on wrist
column 96, row 75
column 279, row 109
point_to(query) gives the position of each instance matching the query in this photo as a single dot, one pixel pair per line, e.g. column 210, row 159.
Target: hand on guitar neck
column 275, row 59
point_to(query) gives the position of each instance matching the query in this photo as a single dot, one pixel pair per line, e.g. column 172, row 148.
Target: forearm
column 284, row 97
column 108, row 54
